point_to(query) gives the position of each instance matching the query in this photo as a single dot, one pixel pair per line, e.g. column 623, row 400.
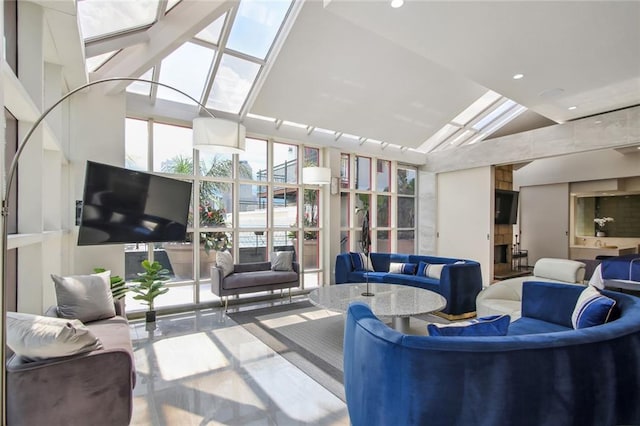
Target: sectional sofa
column 458, row 280
column 543, row 372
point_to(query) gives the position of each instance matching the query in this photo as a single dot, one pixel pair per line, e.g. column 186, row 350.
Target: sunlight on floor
column 202, row 368
column 185, row 356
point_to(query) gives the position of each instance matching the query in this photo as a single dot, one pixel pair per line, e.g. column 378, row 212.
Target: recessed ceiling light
column 396, row 3
column 571, row 108
column 518, row 76
column 637, row 147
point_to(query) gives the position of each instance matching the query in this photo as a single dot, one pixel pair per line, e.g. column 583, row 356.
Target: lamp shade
column 316, row 175
column 218, row 135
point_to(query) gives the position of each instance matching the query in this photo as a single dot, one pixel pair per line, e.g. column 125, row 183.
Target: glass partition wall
column 251, row 204
column 387, row 190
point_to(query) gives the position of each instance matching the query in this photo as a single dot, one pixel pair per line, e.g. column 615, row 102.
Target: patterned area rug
column 309, row 337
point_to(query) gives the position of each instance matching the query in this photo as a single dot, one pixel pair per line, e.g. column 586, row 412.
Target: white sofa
column 505, row 297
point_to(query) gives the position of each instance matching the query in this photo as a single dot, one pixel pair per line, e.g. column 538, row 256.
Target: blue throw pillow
column 430, row 270
column 592, row 308
column 361, row 262
column 495, row 325
column 402, row 268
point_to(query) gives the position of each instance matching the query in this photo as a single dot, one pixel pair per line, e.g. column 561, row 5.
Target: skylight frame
column 480, row 119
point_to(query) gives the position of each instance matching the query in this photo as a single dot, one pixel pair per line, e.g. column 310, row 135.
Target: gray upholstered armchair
column 90, row 388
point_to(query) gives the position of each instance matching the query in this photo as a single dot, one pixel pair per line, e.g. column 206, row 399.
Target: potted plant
column 602, row 222
column 151, row 285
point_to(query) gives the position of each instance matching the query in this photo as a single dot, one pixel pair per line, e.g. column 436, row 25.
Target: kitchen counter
column 590, row 252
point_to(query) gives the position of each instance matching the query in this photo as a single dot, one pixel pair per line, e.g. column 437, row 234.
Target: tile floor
column 201, row 368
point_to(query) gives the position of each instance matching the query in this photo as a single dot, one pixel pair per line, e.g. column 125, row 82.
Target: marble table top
column 389, row 300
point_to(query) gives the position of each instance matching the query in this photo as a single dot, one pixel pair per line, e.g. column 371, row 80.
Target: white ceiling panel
column 572, row 53
column 338, row 76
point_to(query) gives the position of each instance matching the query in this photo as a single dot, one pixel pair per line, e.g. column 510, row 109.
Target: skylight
column 219, row 66
column 186, row 68
column 100, row 18
column 256, row 26
column 211, row 34
column 232, row 84
column 483, row 117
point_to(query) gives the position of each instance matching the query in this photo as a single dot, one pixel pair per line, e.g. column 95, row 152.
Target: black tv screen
column 506, row 210
column 128, row 206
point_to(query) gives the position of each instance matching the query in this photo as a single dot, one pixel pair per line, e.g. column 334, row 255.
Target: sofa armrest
column 217, row 276
column 36, row 396
column 343, row 267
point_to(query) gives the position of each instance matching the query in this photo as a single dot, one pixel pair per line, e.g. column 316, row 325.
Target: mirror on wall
column 594, row 214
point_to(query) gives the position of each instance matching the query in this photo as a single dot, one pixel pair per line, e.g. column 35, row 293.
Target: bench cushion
column 258, row 278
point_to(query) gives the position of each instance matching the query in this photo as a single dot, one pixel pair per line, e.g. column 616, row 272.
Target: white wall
column 464, row 217
column 97, row 133
column 544, row 221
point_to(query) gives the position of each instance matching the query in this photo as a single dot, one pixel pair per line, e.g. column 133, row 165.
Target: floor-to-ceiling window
column 386, row 192
column 251, row 204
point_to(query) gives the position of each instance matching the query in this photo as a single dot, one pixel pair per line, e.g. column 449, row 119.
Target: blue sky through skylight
column 256, row 25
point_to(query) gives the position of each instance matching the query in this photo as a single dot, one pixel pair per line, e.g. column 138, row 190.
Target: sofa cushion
column 526, row 325
column 84, row 297
column 430, row 270
column 258, row 278
column 402, row 268
column 282, row 261
column 592, row 308
column 35, row 338
column 361, row 262
column 547, row 301
column 495, row 325
column 224, row 261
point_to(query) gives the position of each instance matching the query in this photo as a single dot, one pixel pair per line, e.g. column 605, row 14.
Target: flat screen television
column 127, row 206
column 506, row 210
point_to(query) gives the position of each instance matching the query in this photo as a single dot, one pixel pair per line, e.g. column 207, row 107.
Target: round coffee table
column 397, row 301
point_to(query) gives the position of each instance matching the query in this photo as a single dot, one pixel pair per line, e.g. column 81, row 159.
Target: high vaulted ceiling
column 398, row 76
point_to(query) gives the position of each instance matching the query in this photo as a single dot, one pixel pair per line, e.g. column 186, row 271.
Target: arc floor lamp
column 208, row 132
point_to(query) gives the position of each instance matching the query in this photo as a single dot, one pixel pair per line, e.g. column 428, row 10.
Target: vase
column 601, row 234
column 150, row 316
column 310, row 258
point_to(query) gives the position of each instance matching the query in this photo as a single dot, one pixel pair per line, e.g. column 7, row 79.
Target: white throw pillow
column 434, row 270
column 84, row 297
column 282, row 261
column 34, row 337
column 224, row 262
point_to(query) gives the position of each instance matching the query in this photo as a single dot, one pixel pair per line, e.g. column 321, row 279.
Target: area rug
column 309, row 337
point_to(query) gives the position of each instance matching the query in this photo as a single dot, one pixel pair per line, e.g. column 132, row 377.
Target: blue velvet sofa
column 542, row 373
column 459, row 283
